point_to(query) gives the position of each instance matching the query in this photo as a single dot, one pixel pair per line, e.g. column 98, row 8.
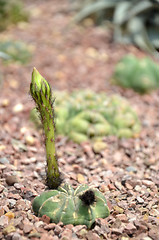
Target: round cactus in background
column 142, row 75
column 85, row 115
column 80, row 206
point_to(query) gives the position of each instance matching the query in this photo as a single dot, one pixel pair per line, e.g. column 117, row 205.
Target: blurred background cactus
column 142, row 75
column 15, row 51
column 11, row 12
column 133, row 21
column 85, row 115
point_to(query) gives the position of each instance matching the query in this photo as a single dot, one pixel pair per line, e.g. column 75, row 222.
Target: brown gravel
column 126, row 171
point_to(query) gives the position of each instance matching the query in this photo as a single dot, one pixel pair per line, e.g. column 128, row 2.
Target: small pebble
column 11, row 203
column 39, row 224
column 45, row 219
column 99, row 146
column 16, row 236
column 118, row 185
column 27, row 227
column 57, row 230
column 3, row 221
column 11, row 179
column 10, row 215
column 148, row 183
column 131, row 169
column 30, row 140
column 111, row 187
column 146, row 238
column 118, row 209
column 137, row 188
column 18, row 186
column 50, row 226
column 92, row 236
column 18, row 108
column 130, row 228
column 122, row 217
column 128, row 186
column 80, row 178
column 9, row 229
column 139, row 199
column 5, row 102
column 4, row 160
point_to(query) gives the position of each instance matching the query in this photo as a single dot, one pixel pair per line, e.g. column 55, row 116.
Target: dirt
column 126, row 171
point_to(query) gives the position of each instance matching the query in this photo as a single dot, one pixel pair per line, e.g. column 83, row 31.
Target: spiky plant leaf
column 93, row 8
column 132, row 20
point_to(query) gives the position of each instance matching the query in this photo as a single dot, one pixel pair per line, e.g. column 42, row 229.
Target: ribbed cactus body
column 142, row 75
column 65, row 205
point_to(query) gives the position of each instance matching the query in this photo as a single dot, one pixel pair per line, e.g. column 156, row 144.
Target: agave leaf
column 153, row 33
column 137, row 30
column 93, row 8
column 139, row 7
column 154, row 21
column 120, row 13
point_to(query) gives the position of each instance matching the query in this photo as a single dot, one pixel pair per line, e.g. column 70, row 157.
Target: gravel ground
column 126, row 171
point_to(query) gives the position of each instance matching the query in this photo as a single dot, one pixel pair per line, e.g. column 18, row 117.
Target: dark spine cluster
column 88, row 198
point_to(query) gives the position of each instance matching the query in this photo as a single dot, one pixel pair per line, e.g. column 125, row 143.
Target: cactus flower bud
column 41, row 92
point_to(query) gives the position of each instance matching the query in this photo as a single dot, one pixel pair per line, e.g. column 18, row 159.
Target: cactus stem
column 41, row 92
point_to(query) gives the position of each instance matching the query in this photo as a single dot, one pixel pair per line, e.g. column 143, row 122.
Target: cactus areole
column 80, row 206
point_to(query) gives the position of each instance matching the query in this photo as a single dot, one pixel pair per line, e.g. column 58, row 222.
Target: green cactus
column 41, row 92
column 80, row 206
column 11, row 12
column 142, row 75
column 85, row 115
column 17, row 51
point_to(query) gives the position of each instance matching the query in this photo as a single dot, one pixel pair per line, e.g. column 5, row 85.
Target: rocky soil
column 126, row 170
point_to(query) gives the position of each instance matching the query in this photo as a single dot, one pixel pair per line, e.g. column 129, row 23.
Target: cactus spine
column 41, row 93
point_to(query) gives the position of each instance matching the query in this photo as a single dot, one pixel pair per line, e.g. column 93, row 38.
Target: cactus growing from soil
column 80, row 206
column 41, row 93
column 142, row 75
column 85, row 115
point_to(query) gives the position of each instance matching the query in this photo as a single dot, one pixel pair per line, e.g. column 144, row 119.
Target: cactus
column 11, row 12
column 15, row 51
column 85, row 115
column 142, row 75
column 80, row 206
column 41, row 92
